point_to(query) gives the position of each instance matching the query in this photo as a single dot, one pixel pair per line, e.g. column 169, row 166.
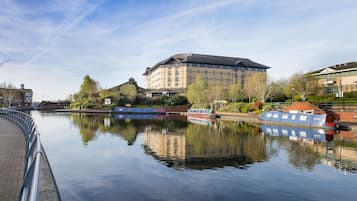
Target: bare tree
column 303, row 85
column 248, row 88
column 257, row 86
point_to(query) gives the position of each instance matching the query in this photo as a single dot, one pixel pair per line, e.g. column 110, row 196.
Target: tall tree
column 133, row 82
column 257, row 86
column 235, row 91
column 302, row 85
column 279, row 90
column 89, row 86
column 196, row 92
column 129, row 90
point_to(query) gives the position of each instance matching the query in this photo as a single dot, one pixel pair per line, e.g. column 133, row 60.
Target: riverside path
column 12, row 156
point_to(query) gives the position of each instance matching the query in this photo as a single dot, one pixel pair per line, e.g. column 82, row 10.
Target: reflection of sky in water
column 108, row 169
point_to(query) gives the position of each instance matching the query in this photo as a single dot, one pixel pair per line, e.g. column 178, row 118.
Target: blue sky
column 51, row 45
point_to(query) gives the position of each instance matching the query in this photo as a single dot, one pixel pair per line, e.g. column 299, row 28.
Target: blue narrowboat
column 138, row 110
column 296, row 119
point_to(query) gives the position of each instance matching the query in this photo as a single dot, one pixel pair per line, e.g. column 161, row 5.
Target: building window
column 176, row 84
column 206, row 72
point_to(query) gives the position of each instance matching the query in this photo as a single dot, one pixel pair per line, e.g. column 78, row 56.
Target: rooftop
column 207, row 59
column 304, row 106
column 337, row 67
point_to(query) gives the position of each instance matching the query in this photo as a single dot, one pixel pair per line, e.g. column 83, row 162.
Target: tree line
column 91, row 95
column 257, row 87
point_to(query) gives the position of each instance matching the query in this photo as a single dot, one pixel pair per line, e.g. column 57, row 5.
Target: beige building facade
column 339, row 79
column 176, row 73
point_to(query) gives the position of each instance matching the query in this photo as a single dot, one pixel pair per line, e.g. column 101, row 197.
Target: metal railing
column 33, row 153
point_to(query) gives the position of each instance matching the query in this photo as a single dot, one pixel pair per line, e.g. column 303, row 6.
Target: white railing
column 33, row 153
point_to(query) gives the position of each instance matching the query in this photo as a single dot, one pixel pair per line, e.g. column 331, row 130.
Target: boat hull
column 201, row 113
column 138, row 110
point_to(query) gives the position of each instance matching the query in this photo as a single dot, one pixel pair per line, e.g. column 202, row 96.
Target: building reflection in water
column 179, row 144
column 205, row 147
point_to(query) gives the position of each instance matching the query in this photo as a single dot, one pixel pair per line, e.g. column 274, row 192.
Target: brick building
column 174, row 74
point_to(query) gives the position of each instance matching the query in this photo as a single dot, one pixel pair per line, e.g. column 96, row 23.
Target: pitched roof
column 337, row 67
column 208, row 59
column 115, row 88
column 304, row 106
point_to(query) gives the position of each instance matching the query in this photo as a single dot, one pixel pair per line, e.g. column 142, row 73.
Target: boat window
column 303, row 118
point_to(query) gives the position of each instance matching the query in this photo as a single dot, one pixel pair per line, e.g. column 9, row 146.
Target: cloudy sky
column 51, row 45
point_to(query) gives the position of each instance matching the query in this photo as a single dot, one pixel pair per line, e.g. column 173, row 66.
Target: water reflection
column 193, row 145
column 159, row 158
column 204, row 147
column 308, row 147
column 126, row 127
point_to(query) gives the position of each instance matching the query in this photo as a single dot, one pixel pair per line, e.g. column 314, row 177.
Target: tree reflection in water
column 180, row 144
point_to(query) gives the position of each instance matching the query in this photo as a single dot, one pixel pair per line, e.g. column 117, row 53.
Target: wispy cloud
column 52, row 45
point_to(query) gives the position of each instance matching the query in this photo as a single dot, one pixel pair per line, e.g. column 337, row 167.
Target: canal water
column 123, row 157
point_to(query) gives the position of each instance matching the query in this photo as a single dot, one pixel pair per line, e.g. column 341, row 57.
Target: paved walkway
column 12, row 155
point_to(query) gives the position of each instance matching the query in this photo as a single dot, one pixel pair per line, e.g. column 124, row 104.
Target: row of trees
column 92, row 95
column 257, row 87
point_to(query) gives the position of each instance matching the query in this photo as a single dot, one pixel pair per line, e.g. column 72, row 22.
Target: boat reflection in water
column 296, row 133
column 182, row 144
column 333, row 153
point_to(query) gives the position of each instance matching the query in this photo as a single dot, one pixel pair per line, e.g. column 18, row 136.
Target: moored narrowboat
column 139, row 110
column 300, row 114
column 202, row 113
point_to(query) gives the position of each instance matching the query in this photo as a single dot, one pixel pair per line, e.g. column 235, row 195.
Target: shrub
column 257, row 106
column 245, row 108
column 267, row 107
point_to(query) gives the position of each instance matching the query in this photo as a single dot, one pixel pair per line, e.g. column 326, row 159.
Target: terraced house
column 174, row 74
column 339, row 79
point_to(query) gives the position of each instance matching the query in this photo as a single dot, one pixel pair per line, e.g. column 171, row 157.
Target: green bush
column 267, row 107
column 245, row 108
column 173, row 100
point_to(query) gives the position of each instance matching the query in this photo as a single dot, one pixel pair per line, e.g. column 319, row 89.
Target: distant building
column 140, row 90
column 174, row 74
column 337, row 79
column 48, row 105
column 16, row 97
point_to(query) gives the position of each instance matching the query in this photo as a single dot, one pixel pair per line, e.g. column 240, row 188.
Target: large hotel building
column 174, row 74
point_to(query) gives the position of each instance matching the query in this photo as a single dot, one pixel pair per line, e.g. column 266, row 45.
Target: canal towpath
column 12, row 157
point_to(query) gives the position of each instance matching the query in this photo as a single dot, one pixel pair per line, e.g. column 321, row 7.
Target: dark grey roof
column 338, row 67
column 208, row 59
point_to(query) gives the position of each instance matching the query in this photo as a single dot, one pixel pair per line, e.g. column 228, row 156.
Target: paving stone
column 12, row 154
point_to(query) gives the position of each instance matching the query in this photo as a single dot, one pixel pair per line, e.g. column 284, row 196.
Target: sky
column 50, row 45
